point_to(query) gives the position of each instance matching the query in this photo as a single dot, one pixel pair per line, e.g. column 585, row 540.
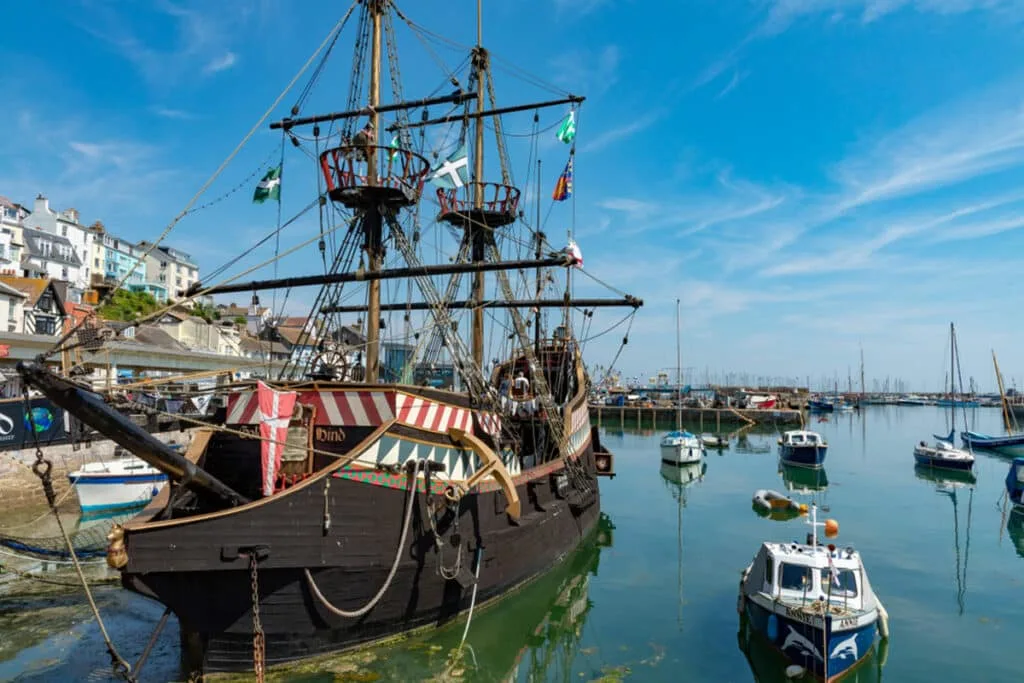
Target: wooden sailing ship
column 329, row 508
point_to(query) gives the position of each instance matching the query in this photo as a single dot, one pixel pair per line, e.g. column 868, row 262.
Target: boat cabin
column 796, row 573
column 802, row 438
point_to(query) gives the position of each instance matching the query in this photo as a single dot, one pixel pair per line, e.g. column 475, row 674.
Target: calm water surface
column 652, row 597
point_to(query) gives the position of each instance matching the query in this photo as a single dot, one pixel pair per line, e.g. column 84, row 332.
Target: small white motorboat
column 813, row 603
column 120, row 484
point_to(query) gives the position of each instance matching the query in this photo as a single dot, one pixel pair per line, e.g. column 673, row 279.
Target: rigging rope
column 410, row 504
column 184, row 212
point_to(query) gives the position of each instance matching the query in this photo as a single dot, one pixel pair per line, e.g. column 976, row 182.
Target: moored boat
column 119, row 484
column 768, row 503
column 802, row 448
column 1011, row 445
column 814, row 603
column 942, row 454
column 680, row 447
column 1015, row 485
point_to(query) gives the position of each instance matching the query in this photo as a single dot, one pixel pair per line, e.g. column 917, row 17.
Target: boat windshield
column 795, row 577
column 844, row 584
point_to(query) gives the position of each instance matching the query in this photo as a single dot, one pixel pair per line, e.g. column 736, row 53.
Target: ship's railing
column 345, row 168
column 497, row 198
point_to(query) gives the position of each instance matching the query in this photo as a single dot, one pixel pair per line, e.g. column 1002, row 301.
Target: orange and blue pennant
column 563, row 188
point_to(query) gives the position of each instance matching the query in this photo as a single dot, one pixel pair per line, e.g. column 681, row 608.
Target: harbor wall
column 700, row 419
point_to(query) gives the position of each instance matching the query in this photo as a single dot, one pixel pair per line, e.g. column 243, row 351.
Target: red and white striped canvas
column 275, row 408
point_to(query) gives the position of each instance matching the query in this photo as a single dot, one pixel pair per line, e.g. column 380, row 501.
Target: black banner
column 16, row 426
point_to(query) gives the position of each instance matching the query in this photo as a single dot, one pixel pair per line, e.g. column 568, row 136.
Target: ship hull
column 206, row 580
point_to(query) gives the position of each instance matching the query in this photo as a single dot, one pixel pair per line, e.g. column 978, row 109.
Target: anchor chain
column 258, row 640
column 456, row 540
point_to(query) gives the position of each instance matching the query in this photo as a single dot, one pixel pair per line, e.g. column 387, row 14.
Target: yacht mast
column 679, row 376
column 373, row 226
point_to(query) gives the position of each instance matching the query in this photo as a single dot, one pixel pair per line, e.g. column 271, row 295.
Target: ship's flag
column 563, row 188
column 454, row 172
column 275, row 412
column 567, row 131
column 269, row 187
column 393, row 149
column 574, row 251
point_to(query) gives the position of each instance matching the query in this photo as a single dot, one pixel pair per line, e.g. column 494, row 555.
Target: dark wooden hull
column 193, row 565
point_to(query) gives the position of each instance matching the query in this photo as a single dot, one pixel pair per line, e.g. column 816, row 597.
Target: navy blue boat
column 1015, row 484
column 802, row 448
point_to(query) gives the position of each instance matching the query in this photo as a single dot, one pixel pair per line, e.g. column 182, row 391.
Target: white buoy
column 794, row 671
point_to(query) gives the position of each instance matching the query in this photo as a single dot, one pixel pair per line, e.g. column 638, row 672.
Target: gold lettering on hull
column 329, row 434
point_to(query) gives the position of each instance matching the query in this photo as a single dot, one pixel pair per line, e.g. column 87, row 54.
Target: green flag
column 567, row 131
column 393, row 149
column 269, row 187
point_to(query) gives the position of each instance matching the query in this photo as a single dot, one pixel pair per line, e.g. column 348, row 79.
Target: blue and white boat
column 1015, row 485
column 122, row 484
column 1012, row 445
column 942, row 454
column 813, row 603
column 802, row 448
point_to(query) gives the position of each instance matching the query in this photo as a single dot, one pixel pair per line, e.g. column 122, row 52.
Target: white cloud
column 222, row 63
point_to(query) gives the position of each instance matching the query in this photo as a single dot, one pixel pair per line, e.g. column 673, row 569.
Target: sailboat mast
column 679, row 376
column 374, row 227
column 862, row 374
column 480, row 65
column 1002, row 394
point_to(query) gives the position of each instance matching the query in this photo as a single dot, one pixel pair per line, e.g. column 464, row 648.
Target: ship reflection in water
column 533, row 634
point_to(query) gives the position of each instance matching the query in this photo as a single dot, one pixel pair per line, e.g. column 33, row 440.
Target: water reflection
column 803, row 479
column 678, row 478
column 949, row 484
column 769, row 666
column 1015, row 527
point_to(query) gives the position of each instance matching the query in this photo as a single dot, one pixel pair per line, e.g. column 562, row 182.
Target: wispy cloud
column 579, row 8
column 222, row 63
column 782, row 13
column 591, row 71
column 199, row 43
column 176, row 114
column 613, row 135
column 737, row 76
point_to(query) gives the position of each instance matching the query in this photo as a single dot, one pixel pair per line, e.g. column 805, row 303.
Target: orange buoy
column 803, row 508
column 831, row 528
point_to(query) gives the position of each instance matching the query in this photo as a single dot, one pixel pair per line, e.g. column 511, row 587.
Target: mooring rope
column 42, row 469
column 394, row 565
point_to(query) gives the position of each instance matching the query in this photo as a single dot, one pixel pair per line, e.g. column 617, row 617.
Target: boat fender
column 773, row 627
column 794, row 671
column 883, row 622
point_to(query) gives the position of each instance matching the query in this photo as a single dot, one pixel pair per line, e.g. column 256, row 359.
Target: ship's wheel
column 332, row 363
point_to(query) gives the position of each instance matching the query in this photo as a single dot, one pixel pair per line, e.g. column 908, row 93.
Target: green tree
column 240, row 320
column 128, row 306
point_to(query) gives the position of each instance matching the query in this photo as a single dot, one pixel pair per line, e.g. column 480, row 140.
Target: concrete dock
column 702, row 419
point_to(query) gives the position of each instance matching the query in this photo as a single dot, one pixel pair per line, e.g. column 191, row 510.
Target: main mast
column 373, row 227
column 477, row 230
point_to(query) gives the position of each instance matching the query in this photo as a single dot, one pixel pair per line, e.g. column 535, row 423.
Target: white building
column 64, row 224
column 170, row 268
column 12, row 217
column 12, row 309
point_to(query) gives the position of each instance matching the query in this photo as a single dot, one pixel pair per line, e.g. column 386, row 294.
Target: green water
column 654, row 597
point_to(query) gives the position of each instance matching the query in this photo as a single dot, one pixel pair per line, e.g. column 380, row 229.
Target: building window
column 97, row 262
column 64, row 230
column 63, row 273
column 45, row 325
column 45, row 302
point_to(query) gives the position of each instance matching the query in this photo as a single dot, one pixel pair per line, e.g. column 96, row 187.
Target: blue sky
column 807, row 176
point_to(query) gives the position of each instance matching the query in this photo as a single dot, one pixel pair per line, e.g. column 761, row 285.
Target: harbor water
column 652, row 595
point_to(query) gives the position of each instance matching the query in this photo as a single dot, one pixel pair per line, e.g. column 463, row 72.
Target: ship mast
column 373, row 225
column 477, row 230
